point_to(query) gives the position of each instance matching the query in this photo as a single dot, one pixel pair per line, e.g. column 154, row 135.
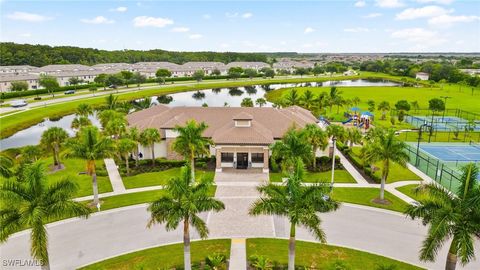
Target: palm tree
column 79, row 122
column 335, row 97
column 415, row 105
column 30, row 154
column 32, row 203
column 335, row 132
column 52, row 139
column 354, row 136
column 142, row 104
column 387, row 148
column 111, row 102
column 108, row 115
column 84, row 110
column 317, row 138
column 298, row 204
column 292, row 98
column 191, row 143
column 6, row 165
column 292, row 146
column 125, row 147
column 307, row 99
column 356, row 101
column 149, row 137
column 384, row 106
column 184, row 200
column 452, row 216
column 116, row 127
column 91, row 146
column 134, row 135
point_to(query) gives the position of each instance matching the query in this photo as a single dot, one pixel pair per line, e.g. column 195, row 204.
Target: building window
column 227, row 157
column 257, row 157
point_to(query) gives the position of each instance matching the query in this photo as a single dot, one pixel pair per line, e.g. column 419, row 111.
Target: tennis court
column 464, row 152
column 443, row 123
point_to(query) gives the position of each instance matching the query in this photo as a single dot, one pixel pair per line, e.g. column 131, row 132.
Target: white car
column 18, row 103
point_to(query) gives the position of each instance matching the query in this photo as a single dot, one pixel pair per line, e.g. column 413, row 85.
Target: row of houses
column 87, row 74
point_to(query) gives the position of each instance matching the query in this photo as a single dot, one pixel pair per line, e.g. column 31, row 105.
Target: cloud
column 98, row 20
column 195, row 36
column 360, row 3
column 144, row 21
column 180, row 29
column 119, row 9
column 308, row 30
column 419, row 37
column 389, row 3
column 449, row 20
column 27, row 17
column 247, row 15
column 206, row 16
column 440, row 2
column 423, row 12
column 372, row 15
column 357, row 30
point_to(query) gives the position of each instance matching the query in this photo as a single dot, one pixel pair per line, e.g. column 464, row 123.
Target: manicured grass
column 409, row 190
column 320, row 256
column 341, row 176
column 160, row 178
column 441, row 137
column 397, row 172
column 364, row 196
column 163, row 257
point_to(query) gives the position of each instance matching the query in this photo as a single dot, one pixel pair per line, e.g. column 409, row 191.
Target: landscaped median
column 366, row 196
column 341, row 176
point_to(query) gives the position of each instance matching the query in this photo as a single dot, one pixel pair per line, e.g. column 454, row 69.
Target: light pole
column 425, row 125
column 334, row 141
column 445, row 102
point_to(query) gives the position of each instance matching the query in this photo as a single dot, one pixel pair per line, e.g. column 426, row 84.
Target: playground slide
column 361, row 124
column 347, row 121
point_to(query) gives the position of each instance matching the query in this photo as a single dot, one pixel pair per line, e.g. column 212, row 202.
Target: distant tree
column 143, row 103
column 436, row 105
column 50, row 83
column 102, row 80
column 18, row 86
column 318, row 70
column 138, row 78
column 250, row 72
column 235, row 72
column 247, row 102
column 402, row 105
column 414, row 105
column 216, row 72
column 164, row 99
column 84, row 109
column 292, row 98
column 301, row 71
column 384, row 106
column 93, row 89
column 371, row 105
column 114, row 79
column 74, row 81
column 199, row 75
column 356, row 101
column 204, row 105
column 31, row 153
column 260, row 102
column 267, row 72
column 127, row 76
column 52, row 140
column 162, row 74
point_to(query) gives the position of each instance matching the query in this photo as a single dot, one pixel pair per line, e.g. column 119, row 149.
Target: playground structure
column 359, row 119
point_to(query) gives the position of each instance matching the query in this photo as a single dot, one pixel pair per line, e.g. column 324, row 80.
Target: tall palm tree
column 134, row 135
column 6, row 165
column 91, row 146
column 32, row 203
column 142, row 104
column 317, row 138
column 322, row 101
column 292, row 98
column 185, row 199
column 149, row 137
column 111, row 102
column 84, row 110
column 354, row 136
column 298, row 204
column 335, row 97
column 307, row 99
column 52, row 140
column 356, row 101
column 452, row 216
column 384, row 106
column 126, row 146
column 116, row 127
column 81, row 121
column 292, row 146
column 335, row 132
column 387, row 148
column 190, row 142
column 108, row 115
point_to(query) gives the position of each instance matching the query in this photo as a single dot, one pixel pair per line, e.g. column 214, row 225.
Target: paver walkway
column 114, row 176
column 238, row 254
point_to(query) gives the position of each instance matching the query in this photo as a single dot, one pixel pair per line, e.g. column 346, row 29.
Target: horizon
column 376, row 26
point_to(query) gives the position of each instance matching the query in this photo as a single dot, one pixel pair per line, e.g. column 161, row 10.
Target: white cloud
column 423, row 12
column 247, row 15
column 27, row 17
column 389, row 3
column 180, row 29
column 144, row 21
column 308, row 30
column 360, row 3
column 357, row 30
column 98, row 20
column 195, row 36
column 119, row 9
column 419, row 37
column 372, row 15
column 448, row 20
column 440, row 2
column 206, row 16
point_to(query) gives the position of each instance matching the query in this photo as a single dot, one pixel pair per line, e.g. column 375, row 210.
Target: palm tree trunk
column 153, row 154
column 57, row 153
column 386, row 166
column 136, row 156
column 186, row 246
column 45, row 265
column 333, row 163
column 126, row 164
column 314, row 158
column 291, row 248
column 55, row 161
column 451, row 258
column 192, row 164
column 96, row 201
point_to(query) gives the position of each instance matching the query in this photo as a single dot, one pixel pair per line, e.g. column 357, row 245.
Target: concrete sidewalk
column 114, row 176
column 351, row 169
column 238, row 254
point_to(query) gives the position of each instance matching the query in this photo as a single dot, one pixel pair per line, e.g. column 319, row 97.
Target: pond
column 212, row 97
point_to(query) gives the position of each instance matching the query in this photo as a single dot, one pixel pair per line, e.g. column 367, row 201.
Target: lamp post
column 425, row 125
column 445, row 102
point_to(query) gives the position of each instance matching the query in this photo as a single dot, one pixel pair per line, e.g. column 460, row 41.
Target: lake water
column 212, row 97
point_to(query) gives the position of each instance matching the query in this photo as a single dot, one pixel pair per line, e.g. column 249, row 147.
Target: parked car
column 69, row 92
column 18, row 103
column 113, row 86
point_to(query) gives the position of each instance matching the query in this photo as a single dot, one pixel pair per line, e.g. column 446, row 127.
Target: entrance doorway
column 242, row 160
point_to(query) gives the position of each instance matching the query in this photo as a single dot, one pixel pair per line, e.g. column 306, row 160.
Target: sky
column 361, row 26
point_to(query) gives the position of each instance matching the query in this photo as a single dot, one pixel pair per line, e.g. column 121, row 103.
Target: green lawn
column 160, row 178
column 163, row 257
column 441, row 137
column 409, row 190
column 320, row 256
column 364, row 196
column 397, row 172
column 341, row 176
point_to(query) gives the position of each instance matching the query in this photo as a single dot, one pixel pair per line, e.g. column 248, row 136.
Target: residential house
column 422, row 76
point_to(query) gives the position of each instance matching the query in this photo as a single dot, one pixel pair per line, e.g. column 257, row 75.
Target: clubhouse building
column 241, row 136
